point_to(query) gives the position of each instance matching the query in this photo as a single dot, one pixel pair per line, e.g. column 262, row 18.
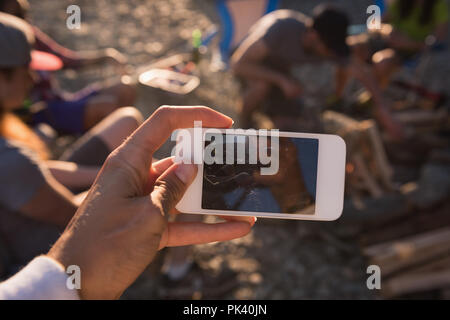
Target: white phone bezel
column 329, row 187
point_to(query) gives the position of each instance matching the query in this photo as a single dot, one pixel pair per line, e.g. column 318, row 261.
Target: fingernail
column 186, row 172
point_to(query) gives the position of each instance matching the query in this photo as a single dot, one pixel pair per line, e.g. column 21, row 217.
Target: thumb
column 170, row 187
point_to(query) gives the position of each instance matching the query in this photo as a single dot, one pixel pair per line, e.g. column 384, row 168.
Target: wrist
column 66, row 252
column 58, row 253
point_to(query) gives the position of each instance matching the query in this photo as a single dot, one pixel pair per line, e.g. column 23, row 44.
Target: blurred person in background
column 285, row 38
column 37, row 194
column 66, row 112
column 410, row 27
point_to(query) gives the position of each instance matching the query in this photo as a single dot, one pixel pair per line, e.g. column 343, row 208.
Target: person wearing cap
column 69, row 113
column 286, row 38
column 38, row 195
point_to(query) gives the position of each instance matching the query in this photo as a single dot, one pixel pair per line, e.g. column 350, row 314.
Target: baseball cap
column 16, row 41
column 331, row 24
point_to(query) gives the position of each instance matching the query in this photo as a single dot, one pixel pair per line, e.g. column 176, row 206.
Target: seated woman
column 409, row 27
column 35, row 198
column 71, row 113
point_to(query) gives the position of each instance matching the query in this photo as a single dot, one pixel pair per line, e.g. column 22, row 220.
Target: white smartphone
column 262, row 173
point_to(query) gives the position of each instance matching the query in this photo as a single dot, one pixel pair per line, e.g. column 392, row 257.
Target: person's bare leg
column 97, row 109
column 108, row 100
column 112, row 131
column 124, row 94
column 253, row 97
column 115, row 128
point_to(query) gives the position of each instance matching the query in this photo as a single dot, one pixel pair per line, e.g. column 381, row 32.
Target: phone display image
column 243, row 187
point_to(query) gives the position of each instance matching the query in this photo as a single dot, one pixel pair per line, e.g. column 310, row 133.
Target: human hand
column 121, row 225
column 291, row 88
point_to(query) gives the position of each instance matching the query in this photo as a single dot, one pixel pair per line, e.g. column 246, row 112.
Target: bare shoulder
column 252, row 48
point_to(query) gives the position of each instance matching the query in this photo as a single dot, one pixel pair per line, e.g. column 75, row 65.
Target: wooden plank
column 408, row 252
column 407, row 225
column 379, row 153
column 434, row 276
column 369, row 181
column 420, row 117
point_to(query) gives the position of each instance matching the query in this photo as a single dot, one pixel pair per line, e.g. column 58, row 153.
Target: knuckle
column 170, row 193
column 165, row 114
column 118, row 165
column 202, row 112
column 159, row 220
column 113, row 161
column 163, row 110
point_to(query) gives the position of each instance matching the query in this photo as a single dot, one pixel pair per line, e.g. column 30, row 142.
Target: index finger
column 156, row 129
column 249, row 219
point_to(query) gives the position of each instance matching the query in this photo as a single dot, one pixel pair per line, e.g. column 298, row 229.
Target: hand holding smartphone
column 263, row 173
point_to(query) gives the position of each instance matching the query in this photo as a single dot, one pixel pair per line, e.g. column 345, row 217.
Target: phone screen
column 243, row 186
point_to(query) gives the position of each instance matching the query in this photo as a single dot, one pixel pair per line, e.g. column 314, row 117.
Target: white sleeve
column 42, row 279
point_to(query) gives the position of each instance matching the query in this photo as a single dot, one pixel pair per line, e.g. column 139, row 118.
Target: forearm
column 73, row 175
column 89, row 58
column 403, row 42
column 70, row 58
column 108, row 55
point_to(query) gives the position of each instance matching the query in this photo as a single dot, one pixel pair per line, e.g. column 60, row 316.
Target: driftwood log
column 420, row 262
column 409, row 223
column 401, row 254
column 435, row 275
column 430, row 118
column 368, row 170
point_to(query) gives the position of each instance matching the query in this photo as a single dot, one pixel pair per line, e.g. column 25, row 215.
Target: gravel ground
column 279, row 259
